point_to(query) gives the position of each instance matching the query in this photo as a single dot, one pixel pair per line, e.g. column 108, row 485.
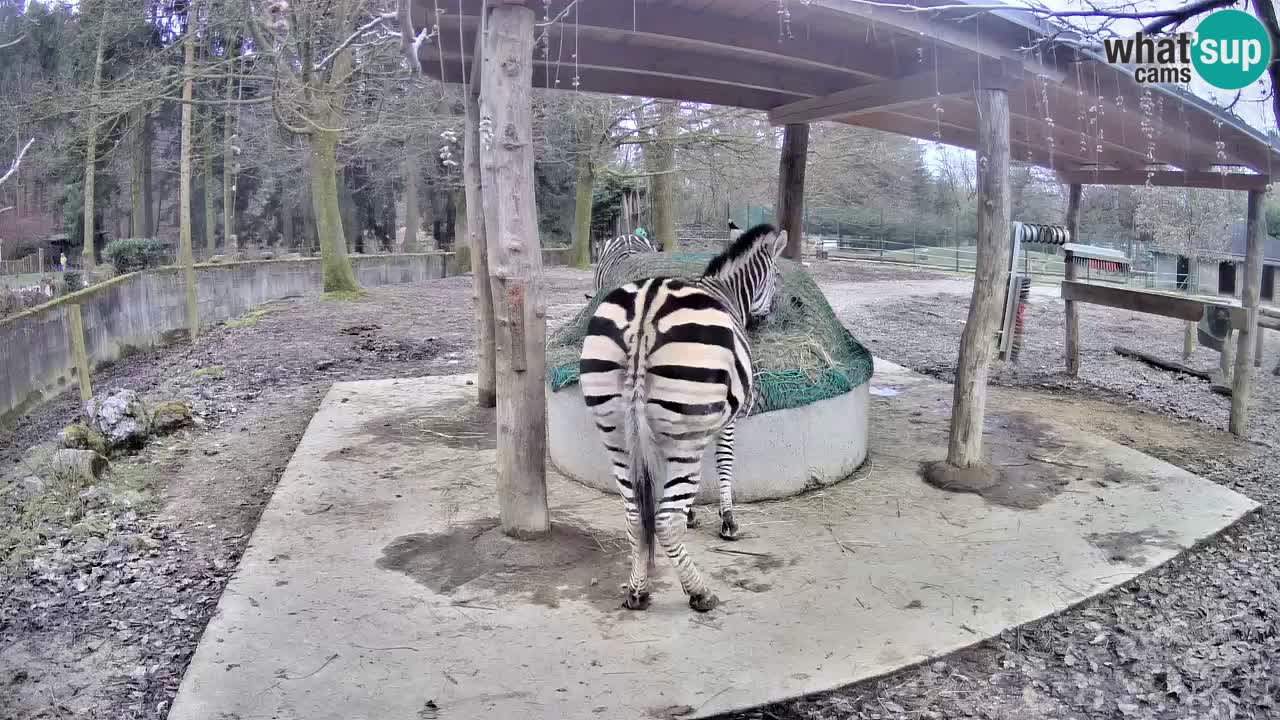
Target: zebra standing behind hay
column 618, row 248
column 665, row 366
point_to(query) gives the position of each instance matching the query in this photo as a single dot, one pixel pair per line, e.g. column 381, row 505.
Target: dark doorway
column 1226, row 278
column 1184, row 271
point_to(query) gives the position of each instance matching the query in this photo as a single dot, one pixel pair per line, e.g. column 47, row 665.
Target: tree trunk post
column 791, row 169
column 1227, row 358
column 229, row 162
column 1242, row 384
column 206, row 184
column 505, row 130
column 1188, row 340
column 138, row 212
column 412, row 218
column 660, row 159
column 990, row 279
column 75, row 333
column 88, row 256
column 581, row 255
column 1074, row 195
column 184, row 181
column 481, row 289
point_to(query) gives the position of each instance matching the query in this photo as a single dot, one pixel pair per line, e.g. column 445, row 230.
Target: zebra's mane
column 747, row 243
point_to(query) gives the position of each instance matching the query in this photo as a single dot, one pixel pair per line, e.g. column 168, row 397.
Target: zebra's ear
column 734, row 234
column 779, row 243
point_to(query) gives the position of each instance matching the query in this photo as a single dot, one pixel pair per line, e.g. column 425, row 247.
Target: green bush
column 133, row 254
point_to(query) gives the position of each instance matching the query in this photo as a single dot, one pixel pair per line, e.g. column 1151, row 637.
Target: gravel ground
column 102, row 626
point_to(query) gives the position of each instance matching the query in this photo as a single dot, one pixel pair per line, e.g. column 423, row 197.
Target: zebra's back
column 680, row 342
column 615, row 250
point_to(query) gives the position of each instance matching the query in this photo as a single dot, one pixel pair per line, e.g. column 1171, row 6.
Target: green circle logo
column 1232, row 49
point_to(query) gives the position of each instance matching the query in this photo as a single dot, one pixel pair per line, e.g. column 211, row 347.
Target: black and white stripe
column 614, row 251
column 665, row 367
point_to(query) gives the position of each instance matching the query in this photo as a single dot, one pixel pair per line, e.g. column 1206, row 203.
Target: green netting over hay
column 801, row 356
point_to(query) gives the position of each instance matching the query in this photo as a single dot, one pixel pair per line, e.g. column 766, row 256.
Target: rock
column 217, row 259
column 81, row 467
column 32, row 485
column 170, row 416
column 96, row 496
column 79, row 436
column 326, row 364
column 122, row 419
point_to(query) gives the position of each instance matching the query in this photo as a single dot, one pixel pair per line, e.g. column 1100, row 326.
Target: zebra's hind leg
column 724, row 474
column 637, row 597
column 672, row 516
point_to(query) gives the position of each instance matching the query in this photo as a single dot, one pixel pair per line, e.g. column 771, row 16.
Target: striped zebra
column 665, row 366
column 615, row 250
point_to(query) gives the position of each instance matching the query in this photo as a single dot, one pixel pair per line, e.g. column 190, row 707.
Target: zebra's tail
column 645, row 462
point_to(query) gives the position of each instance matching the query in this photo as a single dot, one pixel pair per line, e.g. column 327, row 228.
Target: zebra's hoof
column 728, row 526
column 636, row 600
column 704, row 603
column 691, row 520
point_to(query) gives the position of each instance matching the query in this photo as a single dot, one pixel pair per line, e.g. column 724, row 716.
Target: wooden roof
column 912, row 73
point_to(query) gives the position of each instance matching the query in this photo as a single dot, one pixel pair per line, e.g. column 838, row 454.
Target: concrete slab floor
column 375, row 588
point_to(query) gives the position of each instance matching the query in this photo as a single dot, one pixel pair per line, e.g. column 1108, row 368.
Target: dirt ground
column 102, row 625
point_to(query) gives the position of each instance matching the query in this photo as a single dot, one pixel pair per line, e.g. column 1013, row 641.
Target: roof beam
column 612, row 81
column 629, row 56
column 709, row 32
column 890, row 94
column 924, row 24
column 1167, row 178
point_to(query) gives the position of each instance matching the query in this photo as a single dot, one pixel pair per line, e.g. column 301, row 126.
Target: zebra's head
column 748, row 270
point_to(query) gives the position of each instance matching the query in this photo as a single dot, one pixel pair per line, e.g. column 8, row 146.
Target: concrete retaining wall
column 141, row 310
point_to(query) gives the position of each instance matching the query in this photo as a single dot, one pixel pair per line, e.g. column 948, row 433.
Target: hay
column 802, row 355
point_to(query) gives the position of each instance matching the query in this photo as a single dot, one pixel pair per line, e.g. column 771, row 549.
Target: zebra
column 615, row 250
column 665, row 366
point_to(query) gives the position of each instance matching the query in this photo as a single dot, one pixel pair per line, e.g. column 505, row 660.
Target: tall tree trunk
column 411, row 215
column 511, row 226
column 91, row 148
column 206, row 185
column 582, row 210
column 184, row 174
column 138, row 211
column 660, row 159
column 481, row 292
column 286, row 224
column 791, row 170
column 338, row 275
column 151, row 211
column 229, row 162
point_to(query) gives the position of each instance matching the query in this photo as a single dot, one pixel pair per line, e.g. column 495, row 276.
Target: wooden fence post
column 991, row 276
column 1074, row 195
column 1188, row 340
column 75, row 332
column 1242, row 384
column 515, row 268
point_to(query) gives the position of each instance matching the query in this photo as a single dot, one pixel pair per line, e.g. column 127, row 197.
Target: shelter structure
column 1000, row 82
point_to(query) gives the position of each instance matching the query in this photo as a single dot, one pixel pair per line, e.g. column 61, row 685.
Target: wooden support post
column 1242, row 385
column 990, row 278
column 1227, row 358
column 1074, row 195
column 791, row 167
column 75, row 333
column 481, row 292
column 1188, row 340
column 515, row 268
column 1257, row 350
